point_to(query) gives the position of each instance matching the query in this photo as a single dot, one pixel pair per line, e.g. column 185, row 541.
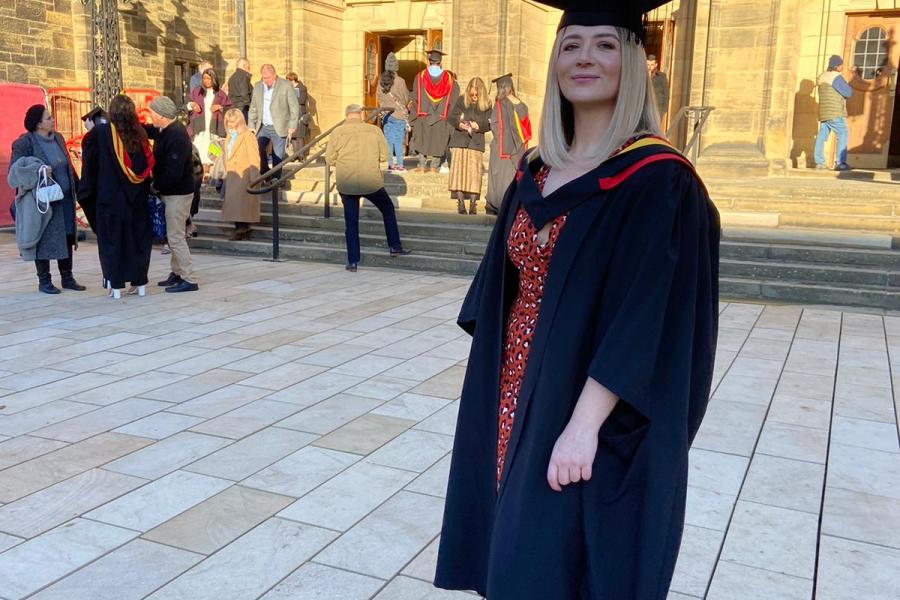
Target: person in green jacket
column 356, row 150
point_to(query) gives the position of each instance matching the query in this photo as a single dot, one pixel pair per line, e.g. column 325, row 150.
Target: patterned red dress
column 533, row 261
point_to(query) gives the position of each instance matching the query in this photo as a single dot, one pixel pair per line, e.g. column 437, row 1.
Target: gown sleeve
column 659, row 312
column 87, row 186
column 495, row 252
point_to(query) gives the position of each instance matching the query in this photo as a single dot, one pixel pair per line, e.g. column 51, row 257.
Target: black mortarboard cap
column 435, row 54
column 507, row 78
column 93, row 114
column 628, row 14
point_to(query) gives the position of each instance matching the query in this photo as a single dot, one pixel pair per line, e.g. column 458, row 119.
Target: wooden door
column 371, row 68
column 871, row 58
column 435, row 39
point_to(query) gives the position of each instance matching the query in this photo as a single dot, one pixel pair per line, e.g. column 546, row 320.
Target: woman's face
column 46, row 124
column 473, row 94
column 589, row 65
column 207, row 81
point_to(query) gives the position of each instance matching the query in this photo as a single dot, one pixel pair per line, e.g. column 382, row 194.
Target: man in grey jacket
column 274, row 114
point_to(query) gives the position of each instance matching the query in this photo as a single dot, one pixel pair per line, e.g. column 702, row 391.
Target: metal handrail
column 699, row 116
column 284, row 177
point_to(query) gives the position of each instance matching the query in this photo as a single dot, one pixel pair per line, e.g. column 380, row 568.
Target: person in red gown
column 594, row 317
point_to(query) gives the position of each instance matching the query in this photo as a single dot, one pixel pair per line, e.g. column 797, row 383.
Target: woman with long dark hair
column 594, row 317
column 116, row 171
column 207, row 111
column 58, row 237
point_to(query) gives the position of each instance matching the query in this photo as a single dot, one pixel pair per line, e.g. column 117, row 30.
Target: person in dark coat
column 511, row 128
column 434, row 93
column 207, row 110
column 87, row 202
column 116, row 171
column 59, row 238
column 470, row 118
column 240, row 88
column 594, row 317
column 302, row 93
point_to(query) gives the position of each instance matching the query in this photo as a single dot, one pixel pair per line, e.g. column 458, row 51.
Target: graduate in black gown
column 594, row 318
column 116, row 172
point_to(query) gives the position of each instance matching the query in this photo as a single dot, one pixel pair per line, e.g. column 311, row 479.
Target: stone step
column 802, row 206
column 778, row 270
column 888, row 260
column 791, row 292
column 437, row 263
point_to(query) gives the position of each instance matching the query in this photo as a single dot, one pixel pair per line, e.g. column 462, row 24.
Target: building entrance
column 410, row 47
column 871, row 59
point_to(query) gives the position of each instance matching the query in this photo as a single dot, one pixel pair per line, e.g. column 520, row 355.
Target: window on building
column 870, row 53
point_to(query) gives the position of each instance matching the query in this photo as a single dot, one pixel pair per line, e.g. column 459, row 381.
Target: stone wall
column 43, row 43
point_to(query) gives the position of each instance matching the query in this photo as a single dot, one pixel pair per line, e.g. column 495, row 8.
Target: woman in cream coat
column 241, row 167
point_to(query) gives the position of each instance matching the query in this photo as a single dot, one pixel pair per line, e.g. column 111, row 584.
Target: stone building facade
column 755, row 61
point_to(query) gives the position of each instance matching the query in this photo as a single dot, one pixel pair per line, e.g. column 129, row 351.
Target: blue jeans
column 383, row 203
column 839, row 127
column 265, row 135
column 394, row 130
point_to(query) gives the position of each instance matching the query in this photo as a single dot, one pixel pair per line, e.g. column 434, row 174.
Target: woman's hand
column 216, row 107
column 474, row 126
column 573, row 456
column 193, row 107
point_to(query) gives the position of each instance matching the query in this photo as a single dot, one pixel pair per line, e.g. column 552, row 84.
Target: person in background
column 660, row 84
column 173, row 179
column 356, row 150
column 434, row 93
column 241, row 167
column 116, row 171
column 240, row 88
column 198, row 171
column 197, row 78
column 470, row 117
column 511, row 127
column 206, row 108
column 86, row 200
column 58, row 239
column 299, row 137
column 833, row 94
column 274, row 115
column 392, row 93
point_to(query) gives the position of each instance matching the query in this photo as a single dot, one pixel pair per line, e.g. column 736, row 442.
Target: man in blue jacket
column 833, row 93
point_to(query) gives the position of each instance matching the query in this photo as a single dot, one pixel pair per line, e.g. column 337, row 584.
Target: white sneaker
column 445, row 169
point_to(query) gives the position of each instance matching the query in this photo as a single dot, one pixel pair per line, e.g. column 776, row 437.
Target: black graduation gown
column 631, row 300
column 124, row 230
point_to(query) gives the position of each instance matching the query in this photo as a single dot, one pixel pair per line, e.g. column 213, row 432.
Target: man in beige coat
column 356, row 150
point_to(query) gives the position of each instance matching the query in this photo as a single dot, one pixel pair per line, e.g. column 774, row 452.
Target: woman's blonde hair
column 484, row 101
column 234, row 116
column 635, row 110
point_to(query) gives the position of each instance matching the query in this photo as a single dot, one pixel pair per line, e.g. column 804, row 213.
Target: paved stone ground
column 285, row 432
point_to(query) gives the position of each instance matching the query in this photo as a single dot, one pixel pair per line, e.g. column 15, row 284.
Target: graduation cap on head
column 628, row 14
column 435, row 55
column 93, row 114
column 503, row 80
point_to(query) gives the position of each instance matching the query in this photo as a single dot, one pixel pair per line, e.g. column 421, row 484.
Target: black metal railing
column 273, row 179
column 696, row 120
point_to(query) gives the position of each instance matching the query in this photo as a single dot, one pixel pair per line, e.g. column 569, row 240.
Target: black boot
column 68, row 280
column 45, row 282
column 460, row 204
column 473, row 207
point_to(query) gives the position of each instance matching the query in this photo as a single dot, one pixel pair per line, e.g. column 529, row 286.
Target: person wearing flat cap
column 511, row 127
column 86, row 200
column 434, row 93
column 833, row 94
column 593, row 317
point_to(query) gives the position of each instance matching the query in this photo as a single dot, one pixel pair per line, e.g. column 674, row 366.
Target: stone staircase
column 793, row 240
